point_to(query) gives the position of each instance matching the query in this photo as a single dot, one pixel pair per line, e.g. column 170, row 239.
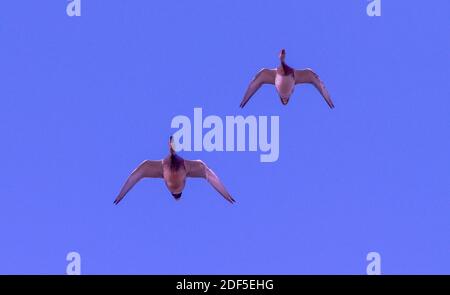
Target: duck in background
column 285, row 78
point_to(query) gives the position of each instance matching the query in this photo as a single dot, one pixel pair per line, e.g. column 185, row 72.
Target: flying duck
column 285, row 78
column 174, row 170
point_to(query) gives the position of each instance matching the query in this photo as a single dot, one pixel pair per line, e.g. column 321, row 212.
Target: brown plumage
column 285, row 78
column 174, row 170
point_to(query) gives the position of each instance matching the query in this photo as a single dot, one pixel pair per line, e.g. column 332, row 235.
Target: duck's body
column 285, row 78
column 174, row 170
column 174, row 173
column 285, row 85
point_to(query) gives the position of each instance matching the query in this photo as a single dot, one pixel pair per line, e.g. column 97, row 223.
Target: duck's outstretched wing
column 199, row 169
column 265, row 76
column 153, row 169
column 308, row 76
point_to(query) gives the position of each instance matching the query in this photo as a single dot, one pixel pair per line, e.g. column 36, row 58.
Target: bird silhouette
column 174, row 170
column 285, row 78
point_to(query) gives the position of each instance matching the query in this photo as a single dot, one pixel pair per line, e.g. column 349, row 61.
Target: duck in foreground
column 285, row 78
column 174, row 170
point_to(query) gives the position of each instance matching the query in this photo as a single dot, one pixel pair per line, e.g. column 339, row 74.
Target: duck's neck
column 286, row 69
column 171, row 148
column 175, row 162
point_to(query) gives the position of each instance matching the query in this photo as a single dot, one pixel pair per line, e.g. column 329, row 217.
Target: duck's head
column 282, row 55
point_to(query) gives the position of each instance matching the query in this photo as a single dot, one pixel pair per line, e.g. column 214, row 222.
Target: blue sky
column 85, row 99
